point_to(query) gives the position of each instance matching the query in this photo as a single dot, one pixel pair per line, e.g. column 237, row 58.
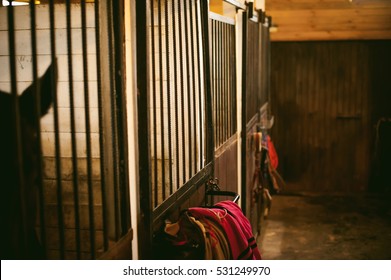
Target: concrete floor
column 327, row 227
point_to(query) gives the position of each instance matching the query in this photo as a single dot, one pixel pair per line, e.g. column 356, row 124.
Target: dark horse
column 19, row 174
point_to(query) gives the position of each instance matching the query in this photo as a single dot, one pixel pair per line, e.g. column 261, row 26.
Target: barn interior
column 160, row 103
column 331, row 96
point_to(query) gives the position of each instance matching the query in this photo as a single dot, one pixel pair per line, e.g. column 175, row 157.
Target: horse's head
column 19, row 161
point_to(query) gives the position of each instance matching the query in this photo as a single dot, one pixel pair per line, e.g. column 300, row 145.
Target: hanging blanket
column 236, row 226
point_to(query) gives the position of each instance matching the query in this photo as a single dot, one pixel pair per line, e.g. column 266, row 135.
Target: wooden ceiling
column 309, row 20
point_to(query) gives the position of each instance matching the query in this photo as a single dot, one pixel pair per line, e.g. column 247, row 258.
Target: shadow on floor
column 327, row 227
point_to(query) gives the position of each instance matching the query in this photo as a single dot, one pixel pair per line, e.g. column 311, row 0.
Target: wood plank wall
column 305, row 20
column 327, row 98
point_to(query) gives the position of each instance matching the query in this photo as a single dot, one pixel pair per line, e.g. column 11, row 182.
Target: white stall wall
column 24, row 73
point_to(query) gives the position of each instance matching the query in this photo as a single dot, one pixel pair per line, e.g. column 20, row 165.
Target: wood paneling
column 226, row 165
column 327, row 98
column 306, row 20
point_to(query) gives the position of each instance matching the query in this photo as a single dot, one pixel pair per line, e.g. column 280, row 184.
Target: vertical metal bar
column 229, row 70
column 114, row 123
column 194, row 124
column 220, row 91
column 38, row 127
column 267, row 51
column 18, row 131
column 217, row 106
column 233, row 42
column 214, row 76
column 201, row 127
column 227, row 109
column 223, row 77
column 119, row 112
column 225, row 80
column 223, row 90
column 73, row 130
column 60, row 214
column 215, row 81
column 233, row 79
column 154, row 106
column 228, row 81
column 244, row 113
column 88, row 129
column 102, row 152
column 222, row 64
column 161, row 73
column 174, row 30
column 182, row 94
column 189, row 115
column 169, row 139
column 145, row 216
column 207, row 84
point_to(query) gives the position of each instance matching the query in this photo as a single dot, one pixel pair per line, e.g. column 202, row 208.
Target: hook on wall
column 213, row 189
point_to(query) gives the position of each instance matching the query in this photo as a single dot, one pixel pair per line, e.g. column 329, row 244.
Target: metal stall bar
column 116, row 115
column 224, row 81
column 244, row 115
column 113, row 121
column 120, row 114
column 219, row 108
column 102, row 152
column 114, row 131
column 232, row 68
column 167, row 38
column 189, row 109
column 207, row 83
column 218, row 87
column 194, row 107
column 215, row 67
column 37, row 114
column 88, row 130
column 145, row 216
column 73, row 131
column 214, row 71
column 60, row 211
column 15, row 111
column 183, row 137
column 176, row 89
column 268, row 61
column 154, row 123
column 227, row 81
column 161, row 77
column 200, row 99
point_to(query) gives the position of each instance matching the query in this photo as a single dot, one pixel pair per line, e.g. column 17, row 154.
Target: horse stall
column 174, row 112
column 139, row 111
column 256, row 118
column 70, row 198
column 192, row 109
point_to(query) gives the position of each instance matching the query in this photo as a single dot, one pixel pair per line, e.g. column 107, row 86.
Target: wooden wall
column 305, row 20
column 226, row 165
column 327, row 98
